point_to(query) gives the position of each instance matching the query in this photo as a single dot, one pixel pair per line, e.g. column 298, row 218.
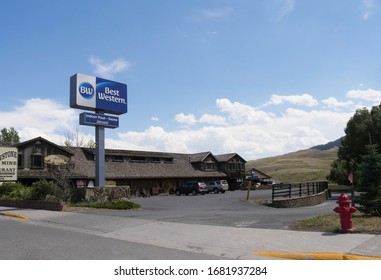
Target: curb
column 14, row 215
column 314, row 255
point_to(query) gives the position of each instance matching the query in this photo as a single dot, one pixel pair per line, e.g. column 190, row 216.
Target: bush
column 14, row 190
column 8, row 187
column 43, row 188
column 119, row 205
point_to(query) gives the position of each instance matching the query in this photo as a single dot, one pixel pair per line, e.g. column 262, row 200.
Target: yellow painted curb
column 314, row 255
column 14, row 215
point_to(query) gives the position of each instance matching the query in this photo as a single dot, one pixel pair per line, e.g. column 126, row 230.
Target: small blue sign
column 252, row 173
column 98, row 120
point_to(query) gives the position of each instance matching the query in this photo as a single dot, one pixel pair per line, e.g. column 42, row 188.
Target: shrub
column 41, row 189
column 119, row 205
column 14, row 190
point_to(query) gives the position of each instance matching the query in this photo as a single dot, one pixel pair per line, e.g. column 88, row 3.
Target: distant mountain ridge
column 329, row 145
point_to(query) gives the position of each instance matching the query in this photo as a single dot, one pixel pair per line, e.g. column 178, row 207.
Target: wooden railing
column 298, row 189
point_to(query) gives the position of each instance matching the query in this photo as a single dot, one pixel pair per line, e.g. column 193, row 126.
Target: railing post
column 273, row 193
column 300, row 189
column 289, row 190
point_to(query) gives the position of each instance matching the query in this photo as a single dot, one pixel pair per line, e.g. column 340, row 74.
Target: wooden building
column 145, row 172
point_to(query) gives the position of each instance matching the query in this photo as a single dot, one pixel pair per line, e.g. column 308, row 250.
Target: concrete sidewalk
column 221, row 241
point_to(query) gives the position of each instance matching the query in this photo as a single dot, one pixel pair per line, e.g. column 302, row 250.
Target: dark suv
column 192, row 187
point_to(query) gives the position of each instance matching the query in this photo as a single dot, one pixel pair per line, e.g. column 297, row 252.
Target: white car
column 217, row 186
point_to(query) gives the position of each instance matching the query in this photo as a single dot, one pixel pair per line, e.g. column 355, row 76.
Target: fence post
column 289, row 190
column 300, row 189
column 273, row 192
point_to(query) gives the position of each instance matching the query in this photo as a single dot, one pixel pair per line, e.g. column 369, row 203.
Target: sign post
column 102, row 96
column 249, row 186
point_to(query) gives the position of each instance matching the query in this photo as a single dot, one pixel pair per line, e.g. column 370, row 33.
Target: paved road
column 201, row 227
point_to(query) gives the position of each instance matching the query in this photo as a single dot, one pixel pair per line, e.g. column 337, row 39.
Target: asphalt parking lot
column 229, row 209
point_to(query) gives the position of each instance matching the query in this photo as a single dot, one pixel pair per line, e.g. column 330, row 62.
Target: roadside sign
column 8, row 164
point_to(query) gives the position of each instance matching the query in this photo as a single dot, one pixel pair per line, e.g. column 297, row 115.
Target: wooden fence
column 298, row 189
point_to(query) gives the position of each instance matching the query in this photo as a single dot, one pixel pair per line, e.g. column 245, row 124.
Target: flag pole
column 350, row 178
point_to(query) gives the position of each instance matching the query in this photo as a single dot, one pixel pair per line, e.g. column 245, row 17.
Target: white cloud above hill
column 235, row 127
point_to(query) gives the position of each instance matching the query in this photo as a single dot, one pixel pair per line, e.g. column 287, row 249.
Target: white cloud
column 369, row 7
column 286, row 7
column 107, row 70
column 236, row 127
column 332, row 102
column 212, row 14
column 155, row 119
column 282, row 7
column 40, row 117
column 212, row 119
column 291, row 131
column 367, row 95
column 304, row 99
column 189, row 119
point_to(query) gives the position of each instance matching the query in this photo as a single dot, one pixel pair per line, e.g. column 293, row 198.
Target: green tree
column 9, row 136
column 363, row 128
column 369, row 182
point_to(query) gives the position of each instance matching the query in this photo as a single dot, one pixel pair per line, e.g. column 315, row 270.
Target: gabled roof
column 228, row 157
column 179, row 168
column 258, row 173
column 199, row 157
column 28, row 142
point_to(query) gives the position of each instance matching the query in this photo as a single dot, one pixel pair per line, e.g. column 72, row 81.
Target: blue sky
column 259, row 78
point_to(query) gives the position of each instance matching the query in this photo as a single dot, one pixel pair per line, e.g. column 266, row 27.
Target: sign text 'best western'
column 8, row 164
column 92, row 93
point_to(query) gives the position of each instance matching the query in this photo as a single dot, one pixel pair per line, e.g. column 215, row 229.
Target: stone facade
column 107, row 194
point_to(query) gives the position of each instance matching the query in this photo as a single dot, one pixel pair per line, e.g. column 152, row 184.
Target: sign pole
column 251, row 180
column 99, row 154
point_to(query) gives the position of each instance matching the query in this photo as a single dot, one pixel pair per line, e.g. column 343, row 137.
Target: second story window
column 37, row 158
column 231, row 166
column 209, row 166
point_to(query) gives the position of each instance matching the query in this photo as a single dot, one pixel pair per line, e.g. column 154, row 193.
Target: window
column 155, row 160
column 209, row 166
column 37, row 149
column 240, row 166
column 36, row 161
column 37, row 157
column 118, row 159
column 138, row 159
column 231, row 166
column 168, row 160
column 20, row 161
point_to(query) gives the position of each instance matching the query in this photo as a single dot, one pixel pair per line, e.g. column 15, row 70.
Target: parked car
column 193, row 187
column 217, row 186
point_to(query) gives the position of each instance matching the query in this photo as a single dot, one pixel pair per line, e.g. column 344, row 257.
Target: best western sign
column 8, row 164
column 92, row 93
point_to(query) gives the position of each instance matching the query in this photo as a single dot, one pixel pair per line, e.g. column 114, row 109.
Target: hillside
column 301, row 166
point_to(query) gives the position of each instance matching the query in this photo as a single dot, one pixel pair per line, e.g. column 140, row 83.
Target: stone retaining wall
column 301, row 201
column 106, row 194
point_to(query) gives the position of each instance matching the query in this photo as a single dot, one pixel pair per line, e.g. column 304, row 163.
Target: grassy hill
column 301, row 166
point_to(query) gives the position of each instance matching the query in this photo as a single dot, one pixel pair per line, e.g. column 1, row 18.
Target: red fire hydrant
column 345, row 211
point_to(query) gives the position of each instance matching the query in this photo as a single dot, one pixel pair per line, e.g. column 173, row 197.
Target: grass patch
column 331, row 223
column 118, row 205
